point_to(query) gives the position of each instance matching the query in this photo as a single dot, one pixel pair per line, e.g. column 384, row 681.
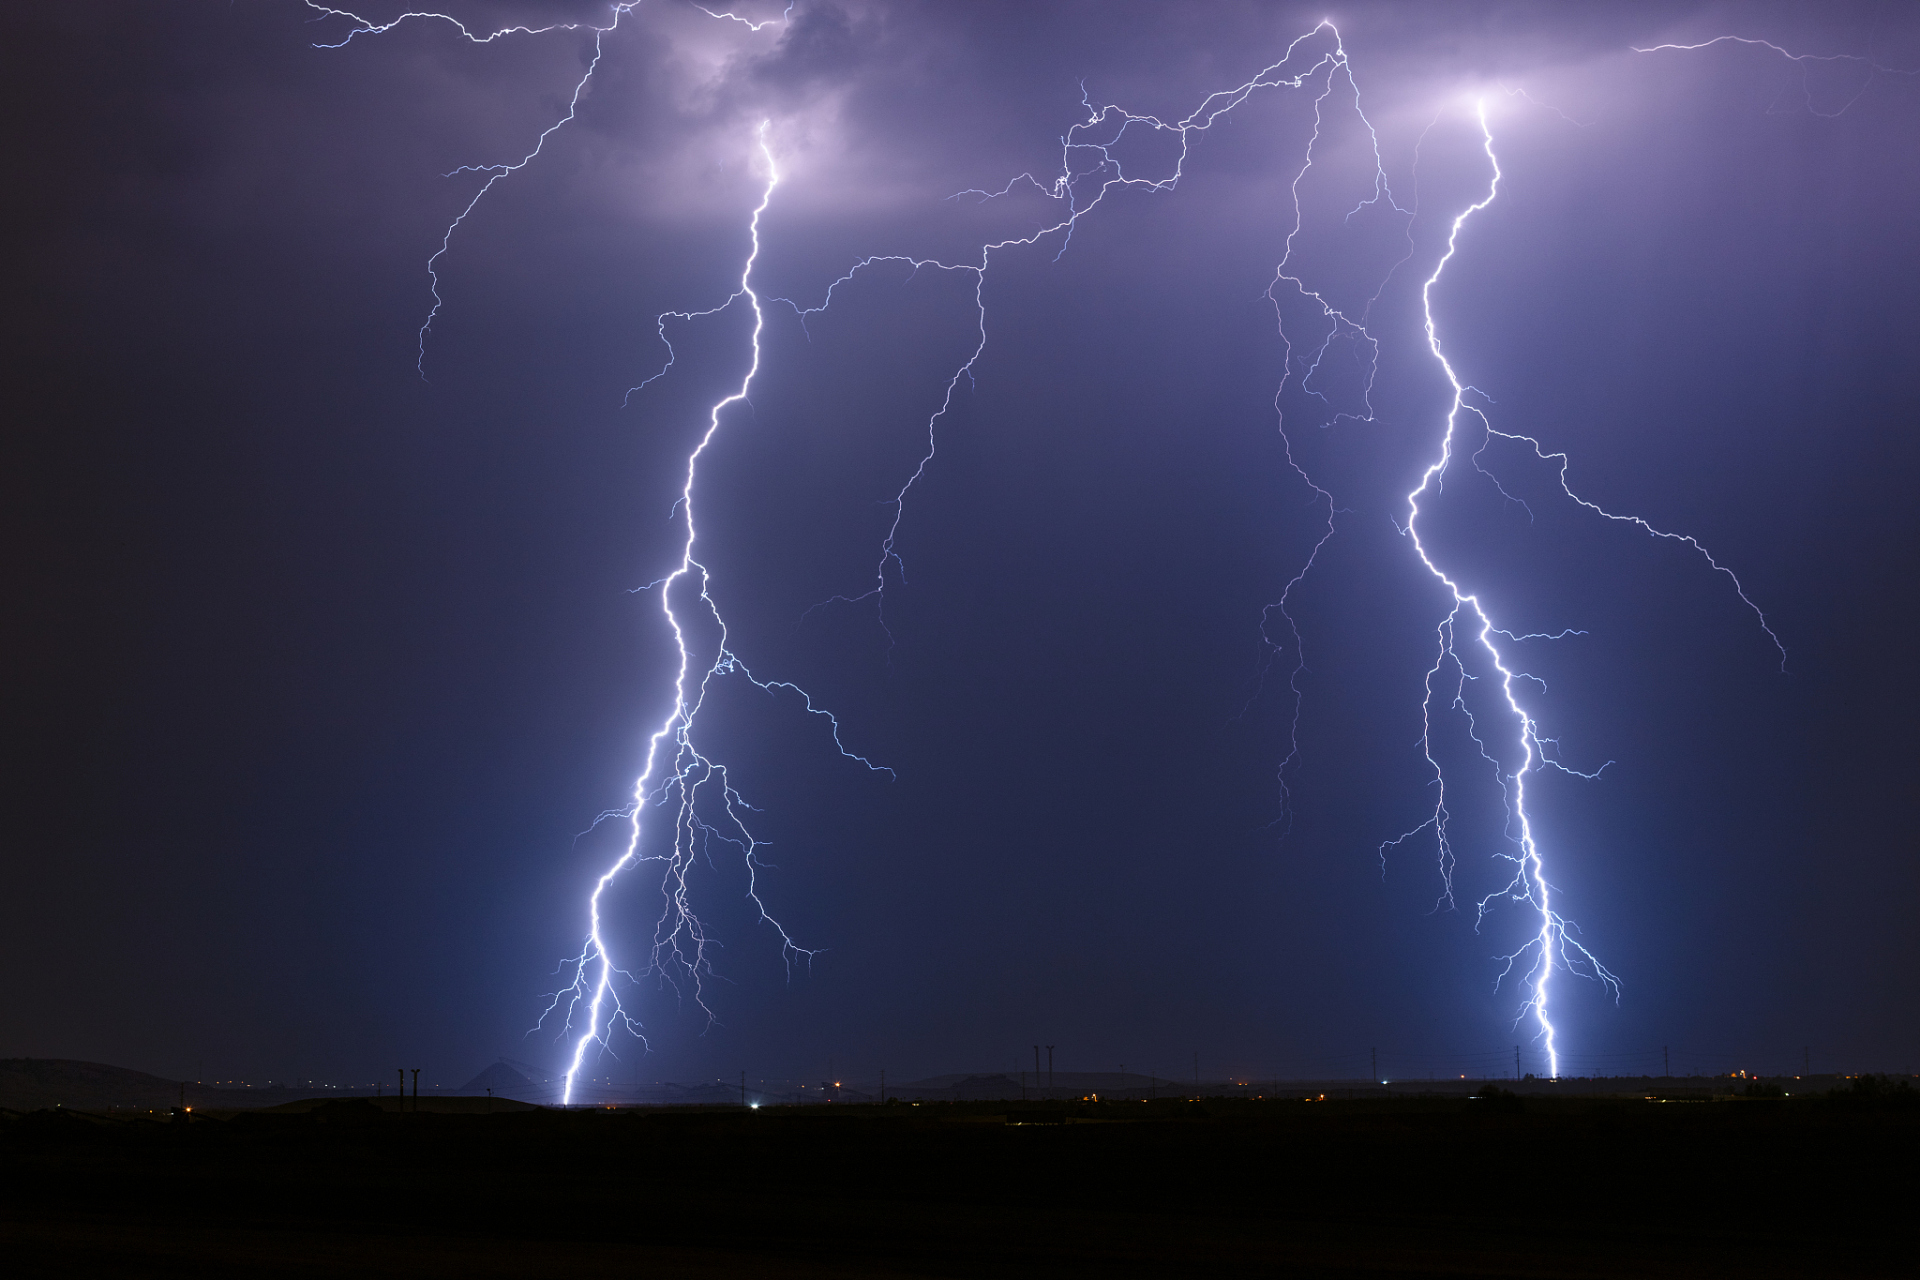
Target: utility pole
column 1036, row 1066
column 402, row 1095
column 1516, row 1062
column 1050, row 1071
column 416, row 1091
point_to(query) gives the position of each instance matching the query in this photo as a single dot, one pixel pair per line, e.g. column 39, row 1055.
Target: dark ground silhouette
column 1406, row 1187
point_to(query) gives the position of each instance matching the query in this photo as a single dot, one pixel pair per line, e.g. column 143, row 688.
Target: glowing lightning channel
column 680, row 939
column 1530, row 881
column 1551, row 946
column 691, row 769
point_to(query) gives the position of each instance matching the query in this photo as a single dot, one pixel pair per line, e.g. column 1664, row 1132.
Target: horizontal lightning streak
column 1801, row 60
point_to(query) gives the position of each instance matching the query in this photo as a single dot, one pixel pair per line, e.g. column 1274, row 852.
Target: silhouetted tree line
column 1497, row 1101
column 1876, row 1093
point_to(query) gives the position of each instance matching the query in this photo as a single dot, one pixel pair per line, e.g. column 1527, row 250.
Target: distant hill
column 502, row 1081
column 32, row 1084
column 1064, row 1084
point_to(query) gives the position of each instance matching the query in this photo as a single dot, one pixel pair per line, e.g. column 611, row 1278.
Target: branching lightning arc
column 675, row 767
column 1090, row 171
column 676, row 773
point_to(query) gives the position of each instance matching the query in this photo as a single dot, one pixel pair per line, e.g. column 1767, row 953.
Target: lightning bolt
column 684, row 772
column 676, row 773
column 1552, row 945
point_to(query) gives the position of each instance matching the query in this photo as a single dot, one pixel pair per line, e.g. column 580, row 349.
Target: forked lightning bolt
column 676, row 773
column 1551, row 946
column 675, row 768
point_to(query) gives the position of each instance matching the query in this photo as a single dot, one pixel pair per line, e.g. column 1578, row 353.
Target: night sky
column 318, row 670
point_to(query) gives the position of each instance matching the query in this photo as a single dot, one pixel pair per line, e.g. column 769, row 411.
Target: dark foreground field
column 1409, row 1187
